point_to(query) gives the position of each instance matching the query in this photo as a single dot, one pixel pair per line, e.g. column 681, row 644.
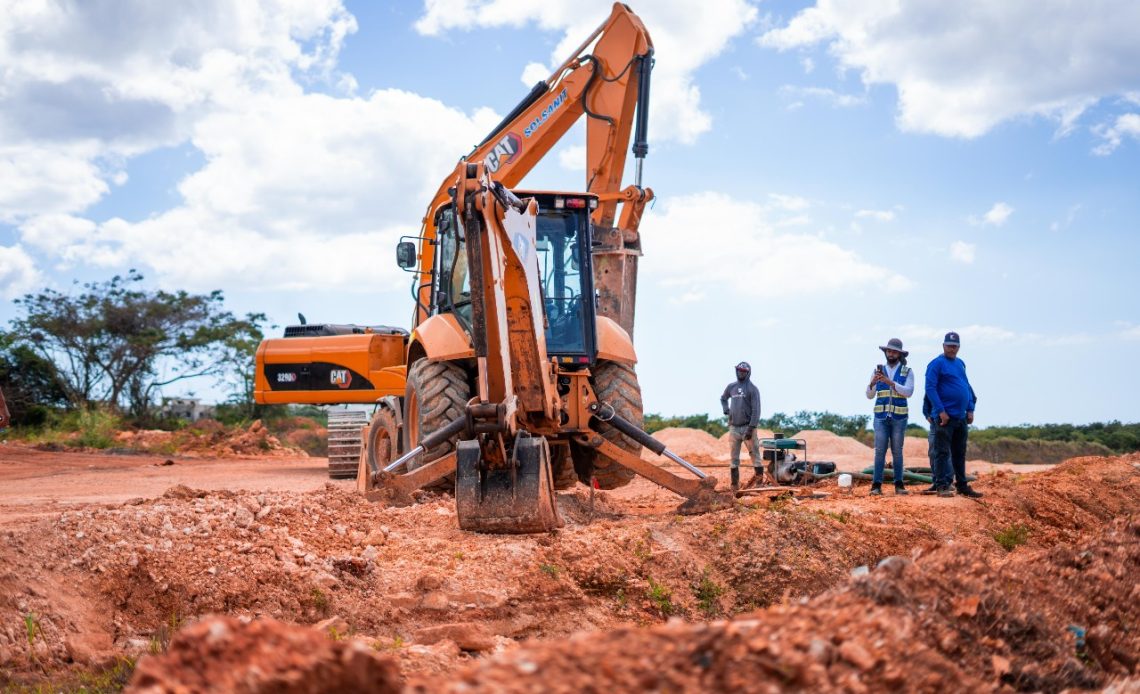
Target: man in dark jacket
column 741, row 404
column 952, row 403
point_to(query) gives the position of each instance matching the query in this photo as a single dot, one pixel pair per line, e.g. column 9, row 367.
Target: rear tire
column 383, row 438
column 616, row 384
column 436, row 394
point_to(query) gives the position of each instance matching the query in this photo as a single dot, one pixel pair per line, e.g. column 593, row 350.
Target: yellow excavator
column 517, row 377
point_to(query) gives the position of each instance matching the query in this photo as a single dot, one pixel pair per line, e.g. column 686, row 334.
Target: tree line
column 1033, row 442
column 115, row 345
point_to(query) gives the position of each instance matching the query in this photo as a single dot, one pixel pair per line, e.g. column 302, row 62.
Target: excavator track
column 345, row 432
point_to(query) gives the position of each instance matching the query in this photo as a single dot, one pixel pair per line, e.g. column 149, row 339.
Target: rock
column 403, row 600
column 333, row 625
column 467, row 635
column 1001, row 665
column 856, row 655
column 820, row 651
column 243, row 518
column 429, row 582
column 435, row 600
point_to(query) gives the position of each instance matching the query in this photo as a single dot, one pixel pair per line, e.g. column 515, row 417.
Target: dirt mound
column 916, row 451
column 232, row 655
column 1046, row 621
column 695, row 445
column 116, row 580
column 207, row 438
column 822, row 444
column 726, row 438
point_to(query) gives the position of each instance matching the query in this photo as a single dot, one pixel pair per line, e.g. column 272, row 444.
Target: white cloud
column 39, row 179
column 828, row 96
column 571, row 158
column 791, row 203
column 87, row 85
column 18, row 273
column 296, row 187
column 970, row 334
column 260, row 214
column 1132, row 333
column 877, row 215
column 683, row 40
column 995, row 216
column 961, row 68
column 743, row 245
column 962, row 252
column 534, row 73
column 1070, row 217
column 1126, row 125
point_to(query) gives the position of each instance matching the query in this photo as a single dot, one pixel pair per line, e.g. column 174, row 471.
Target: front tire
column 436, row 395
column 616, row 384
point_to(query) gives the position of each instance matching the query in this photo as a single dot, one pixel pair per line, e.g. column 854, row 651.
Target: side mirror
column 406, row 255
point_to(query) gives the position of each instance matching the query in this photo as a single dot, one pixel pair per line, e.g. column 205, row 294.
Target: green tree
column 118, row 343
column 29, row 382
column 238, row 355
column 827, row 421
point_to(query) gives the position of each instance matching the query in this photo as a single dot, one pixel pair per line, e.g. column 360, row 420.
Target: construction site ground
column 259, row 574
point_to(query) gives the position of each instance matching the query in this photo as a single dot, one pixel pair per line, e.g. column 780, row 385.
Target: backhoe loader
column 567, row 407
column 529, row 389
column 606, row 79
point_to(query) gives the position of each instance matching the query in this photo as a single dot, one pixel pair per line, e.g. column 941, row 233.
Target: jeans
column 930, row 449
column 736, row 436
column 949, row 455
column 889, row 431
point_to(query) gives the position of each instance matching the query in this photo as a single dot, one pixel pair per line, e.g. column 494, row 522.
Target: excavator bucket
column 515, row 500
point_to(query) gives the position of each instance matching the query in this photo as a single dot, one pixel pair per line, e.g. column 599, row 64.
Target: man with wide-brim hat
column 891, row 384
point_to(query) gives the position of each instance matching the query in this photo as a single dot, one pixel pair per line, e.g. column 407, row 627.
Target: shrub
column 1012, row 537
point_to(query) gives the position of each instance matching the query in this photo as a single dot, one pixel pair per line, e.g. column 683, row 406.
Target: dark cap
column 744, row 366
column 952, row 339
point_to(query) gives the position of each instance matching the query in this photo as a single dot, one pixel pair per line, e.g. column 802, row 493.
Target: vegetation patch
column 1012, row 536
column 661, row 597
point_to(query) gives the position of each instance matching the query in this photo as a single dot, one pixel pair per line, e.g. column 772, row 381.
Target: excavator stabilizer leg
column 515, row 500
column 396, row 489
column 701, row 495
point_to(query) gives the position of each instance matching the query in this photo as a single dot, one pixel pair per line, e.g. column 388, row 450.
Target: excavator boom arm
column 610, row 86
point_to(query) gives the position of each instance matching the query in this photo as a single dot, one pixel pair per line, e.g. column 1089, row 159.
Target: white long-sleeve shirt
column 904, row 390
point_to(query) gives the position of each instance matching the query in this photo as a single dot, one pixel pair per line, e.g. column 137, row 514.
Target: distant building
column 190, row 409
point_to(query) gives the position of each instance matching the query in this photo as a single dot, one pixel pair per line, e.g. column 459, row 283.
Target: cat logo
column 504, row 152
column 342, row 378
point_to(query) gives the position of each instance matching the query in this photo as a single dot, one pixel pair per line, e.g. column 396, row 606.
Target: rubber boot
column 735, row 478
column 759, row 475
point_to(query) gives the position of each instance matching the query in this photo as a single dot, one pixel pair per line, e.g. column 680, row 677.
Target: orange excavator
column 517, row 377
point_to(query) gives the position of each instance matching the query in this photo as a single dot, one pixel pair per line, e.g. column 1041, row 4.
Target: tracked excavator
column 517, row 377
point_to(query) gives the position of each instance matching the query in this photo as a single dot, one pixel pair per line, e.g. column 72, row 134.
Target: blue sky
column 828, row 175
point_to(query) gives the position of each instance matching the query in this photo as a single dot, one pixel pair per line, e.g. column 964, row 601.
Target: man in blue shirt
column 952, row 403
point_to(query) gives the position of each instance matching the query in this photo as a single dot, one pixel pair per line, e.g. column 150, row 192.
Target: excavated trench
column 979, row 591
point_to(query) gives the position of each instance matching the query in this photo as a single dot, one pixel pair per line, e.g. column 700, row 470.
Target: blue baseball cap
column 952, row 339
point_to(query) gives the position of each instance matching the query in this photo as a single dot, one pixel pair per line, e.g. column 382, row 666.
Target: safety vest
column 888, row 403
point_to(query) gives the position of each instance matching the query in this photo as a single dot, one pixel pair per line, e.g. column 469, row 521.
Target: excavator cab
column 563, row 250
